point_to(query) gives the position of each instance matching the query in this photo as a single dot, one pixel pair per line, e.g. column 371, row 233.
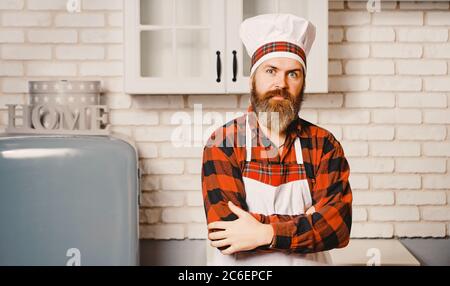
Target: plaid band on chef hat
column 277, row 35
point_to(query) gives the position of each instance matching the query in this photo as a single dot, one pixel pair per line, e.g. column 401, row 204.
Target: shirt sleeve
column 329, row 226
column 221, row 182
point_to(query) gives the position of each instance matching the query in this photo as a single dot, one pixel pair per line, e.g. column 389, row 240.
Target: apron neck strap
column 298, row 151
column 248, row 140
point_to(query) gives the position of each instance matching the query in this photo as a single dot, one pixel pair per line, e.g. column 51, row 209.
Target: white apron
column 289, row 198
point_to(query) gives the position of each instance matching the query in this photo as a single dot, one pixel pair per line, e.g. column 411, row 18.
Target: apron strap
column 298, row 151
column 248, row 140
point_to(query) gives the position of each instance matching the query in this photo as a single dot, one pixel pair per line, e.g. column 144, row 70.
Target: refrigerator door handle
column 139, row 187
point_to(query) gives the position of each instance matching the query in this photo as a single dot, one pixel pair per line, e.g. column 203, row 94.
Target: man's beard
column 273, row 113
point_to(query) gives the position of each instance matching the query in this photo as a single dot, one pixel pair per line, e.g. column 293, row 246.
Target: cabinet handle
column 219, row 66
column 234, row 65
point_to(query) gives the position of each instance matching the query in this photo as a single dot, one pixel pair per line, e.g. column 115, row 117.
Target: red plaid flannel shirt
column 327, row 175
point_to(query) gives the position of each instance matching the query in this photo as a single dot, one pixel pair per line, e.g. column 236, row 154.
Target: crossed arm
column 232, row 228
column 244, row 233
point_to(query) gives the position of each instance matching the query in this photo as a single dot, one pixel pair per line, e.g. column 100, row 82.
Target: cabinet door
column 314, row 10
column 174, row 46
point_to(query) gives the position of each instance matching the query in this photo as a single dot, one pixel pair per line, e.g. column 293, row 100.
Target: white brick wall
column 436, row 182
column 373, row 198
column 11, row 69
column 183, row 215
column 396, row 213
column 437, row 51
column 51, row 69
column 390, row 18
column 370, row 34
column 421, row 67
column 422, row 35
column 395, row 181
column 85, row 19
column 79, row 52
column 437, row 149
column 369, row 67
column 420, row 229
column 388, row 104
column 163, row 199
column 26, row 19
column 26, row 52
column 163, row 166
column 359, row 182
column 421, row 198
column 394, row 149
column 52, row 36
column 396, row 50
column 438, row 100
column 359, row 214
column 371, row 165
column 371, row 133
column 348, row 51
column 12, row 4
column 392, row 116
column 371, row 230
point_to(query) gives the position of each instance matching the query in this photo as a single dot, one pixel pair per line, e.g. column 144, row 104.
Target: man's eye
column 269, row 70
column 293, row 74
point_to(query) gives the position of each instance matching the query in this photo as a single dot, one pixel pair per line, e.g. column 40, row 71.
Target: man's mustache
column 277, row 92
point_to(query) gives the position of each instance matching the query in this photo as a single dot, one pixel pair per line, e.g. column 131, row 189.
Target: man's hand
column 245, row 233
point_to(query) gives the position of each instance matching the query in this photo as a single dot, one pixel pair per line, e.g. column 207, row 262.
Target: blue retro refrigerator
column 68, row 200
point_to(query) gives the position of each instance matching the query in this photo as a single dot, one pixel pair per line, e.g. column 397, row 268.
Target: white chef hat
column 268, row 36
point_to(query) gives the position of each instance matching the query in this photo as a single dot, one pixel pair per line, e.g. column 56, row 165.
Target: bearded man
column 275, row 186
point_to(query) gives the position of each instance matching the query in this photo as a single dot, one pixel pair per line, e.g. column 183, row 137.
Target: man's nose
column 280, row 81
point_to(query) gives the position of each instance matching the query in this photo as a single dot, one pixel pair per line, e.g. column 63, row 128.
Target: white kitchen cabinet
column 193, row 46
column 174, row 46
